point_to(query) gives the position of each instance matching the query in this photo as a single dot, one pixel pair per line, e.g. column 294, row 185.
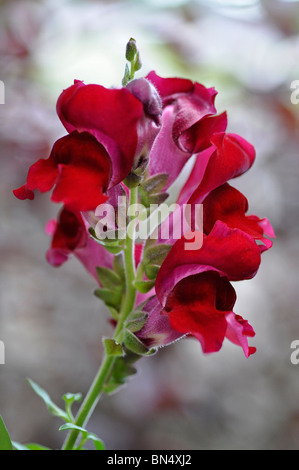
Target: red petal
column 111, row 115
column 230, row 252
column 196, row 306
column 232, row 157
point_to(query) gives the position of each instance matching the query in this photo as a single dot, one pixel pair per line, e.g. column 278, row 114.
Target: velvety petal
column 157, row 330
column 229, row 205
column 198, row 137
column 193, row 101
column 80, row 169
column 111, row 115
column 68, row 233
column 70, row 237
column 197, row 306
column 238, row 331
column 232, row 157
column 165, row 155
column 231, row 252
column 150, row 124
column 187, row 124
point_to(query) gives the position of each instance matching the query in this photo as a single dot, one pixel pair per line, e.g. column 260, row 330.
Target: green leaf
column 134, row 344
column 5, row 442
column 112, row 348
column 98, row 443
column 71, row 426
column 52, row 407
column 69, row 399
column 122, row 369
column 156, row 254
column 30, row 446
column 144, row 286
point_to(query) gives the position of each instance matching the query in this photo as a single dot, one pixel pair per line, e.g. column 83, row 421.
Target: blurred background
column 51, row 323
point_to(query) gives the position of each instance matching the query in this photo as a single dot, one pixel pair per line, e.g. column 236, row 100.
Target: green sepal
column 108, row 278
column 52, row 407
column 136, row 321
column 112, row 348
column 5, row 442
column 151, row 271
column 144, row 286
column 156, row 254
column 134, row 344
column 113, row 245
column 126, row 77
column 155, row 184
column 111, row 298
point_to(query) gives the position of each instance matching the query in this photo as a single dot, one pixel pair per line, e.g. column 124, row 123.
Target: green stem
column 107, row 364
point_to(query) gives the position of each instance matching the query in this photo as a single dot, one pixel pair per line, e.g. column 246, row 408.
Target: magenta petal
column 232, row 157
column 165, row 156
column 238, row 330
column 157, row 330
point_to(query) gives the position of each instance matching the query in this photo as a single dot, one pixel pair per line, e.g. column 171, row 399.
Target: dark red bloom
column 78, row 168
column 188, row 122
column 228, row 157
column 110, row 115
column 229, row 205
column 70, row 237
column 194, row 290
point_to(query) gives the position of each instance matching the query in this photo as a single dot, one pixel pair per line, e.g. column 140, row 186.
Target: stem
column 107, row 364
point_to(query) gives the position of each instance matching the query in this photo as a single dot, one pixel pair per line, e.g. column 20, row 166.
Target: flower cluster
column 141, row 135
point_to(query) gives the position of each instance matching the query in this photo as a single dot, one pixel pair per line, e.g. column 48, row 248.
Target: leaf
column 98, row 443
column 30, row 446
column 52, row 407
column 5, row 442
column 112, row 348
column 122, row 369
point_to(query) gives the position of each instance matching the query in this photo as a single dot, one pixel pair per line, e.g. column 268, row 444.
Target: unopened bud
column 131, row 50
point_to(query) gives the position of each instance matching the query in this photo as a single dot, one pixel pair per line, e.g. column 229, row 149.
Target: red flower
column 188, row 123
column 194, row 290
column 70, row 237
column 229, row 205
column 110, row 115
column 79, row 168
column 228, row 157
